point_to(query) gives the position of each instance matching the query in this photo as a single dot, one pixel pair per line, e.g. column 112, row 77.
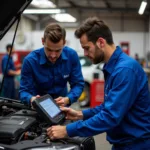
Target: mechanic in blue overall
column 9, row 82
column 125, row 112
column 48, row 69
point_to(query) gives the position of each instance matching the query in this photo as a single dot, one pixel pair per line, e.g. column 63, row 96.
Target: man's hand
column 14, row 72
column 57, row 132
column 62, row 101
column 18, row 72
column 72, row 114
column 33, row 98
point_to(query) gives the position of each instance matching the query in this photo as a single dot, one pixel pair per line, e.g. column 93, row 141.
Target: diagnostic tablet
column 49, row 110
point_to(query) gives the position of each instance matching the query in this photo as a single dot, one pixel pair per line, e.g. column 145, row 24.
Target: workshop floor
column 101, row 143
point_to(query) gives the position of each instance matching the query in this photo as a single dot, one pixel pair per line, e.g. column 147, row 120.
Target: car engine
column 22, row 128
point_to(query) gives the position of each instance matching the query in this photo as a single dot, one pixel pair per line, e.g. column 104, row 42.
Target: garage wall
column 138, row 41
column 124, row 23
column 134, row 30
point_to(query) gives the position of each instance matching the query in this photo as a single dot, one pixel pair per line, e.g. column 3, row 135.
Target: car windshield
column 85, row 61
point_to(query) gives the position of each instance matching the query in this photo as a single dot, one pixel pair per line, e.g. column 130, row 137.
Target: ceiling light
column 42, row 11
column 142, row 7
column 65, row 17
column 43, row 4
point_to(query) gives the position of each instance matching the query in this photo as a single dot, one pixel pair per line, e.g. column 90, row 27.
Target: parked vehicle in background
column 89, row 71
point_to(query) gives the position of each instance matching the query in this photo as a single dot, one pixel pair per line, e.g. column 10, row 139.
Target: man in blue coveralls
column 48, row 69
column 11, row 72
column 125, row 113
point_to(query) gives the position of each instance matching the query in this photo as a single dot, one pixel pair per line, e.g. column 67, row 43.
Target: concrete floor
column 101, row 143
column 100, row 140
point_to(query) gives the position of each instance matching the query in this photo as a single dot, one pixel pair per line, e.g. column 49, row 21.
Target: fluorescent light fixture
column 142, row 7
column 64, row 17
column 43, row 4
column 42, row 11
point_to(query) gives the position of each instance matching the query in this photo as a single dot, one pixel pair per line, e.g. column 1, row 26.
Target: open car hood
column 10, row 11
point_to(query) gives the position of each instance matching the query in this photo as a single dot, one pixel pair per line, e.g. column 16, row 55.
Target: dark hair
column 94, row 28
column 54, row 32
column 8, row 46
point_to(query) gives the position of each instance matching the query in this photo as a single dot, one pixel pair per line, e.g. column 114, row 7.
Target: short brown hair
column 8, row 47
column 54, row 32
column 94, row 28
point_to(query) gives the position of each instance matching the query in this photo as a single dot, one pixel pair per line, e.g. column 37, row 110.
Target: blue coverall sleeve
column 88, row 113
column 76, row 79
column 27, row 86
column 118, row 101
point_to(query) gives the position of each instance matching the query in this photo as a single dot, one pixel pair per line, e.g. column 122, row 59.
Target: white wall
column 136, row 41
column 139, row 41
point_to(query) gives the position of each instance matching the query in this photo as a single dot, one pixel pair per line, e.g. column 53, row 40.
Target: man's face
column 92, row 51
column 53, row 50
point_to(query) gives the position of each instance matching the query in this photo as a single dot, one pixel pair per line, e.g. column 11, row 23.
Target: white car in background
column 89, row 71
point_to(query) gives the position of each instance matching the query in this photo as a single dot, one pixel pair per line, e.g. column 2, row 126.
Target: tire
column 84, row 99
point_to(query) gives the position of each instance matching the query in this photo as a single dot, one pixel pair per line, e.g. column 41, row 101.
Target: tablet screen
column 50, row 107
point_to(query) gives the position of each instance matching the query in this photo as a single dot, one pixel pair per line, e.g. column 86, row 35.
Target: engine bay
column 22, row 128
column 14, row 126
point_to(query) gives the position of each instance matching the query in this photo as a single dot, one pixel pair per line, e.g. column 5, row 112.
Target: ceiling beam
column 89, row 3
column 72, row 3
column 56, row 2
column 107, row 4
